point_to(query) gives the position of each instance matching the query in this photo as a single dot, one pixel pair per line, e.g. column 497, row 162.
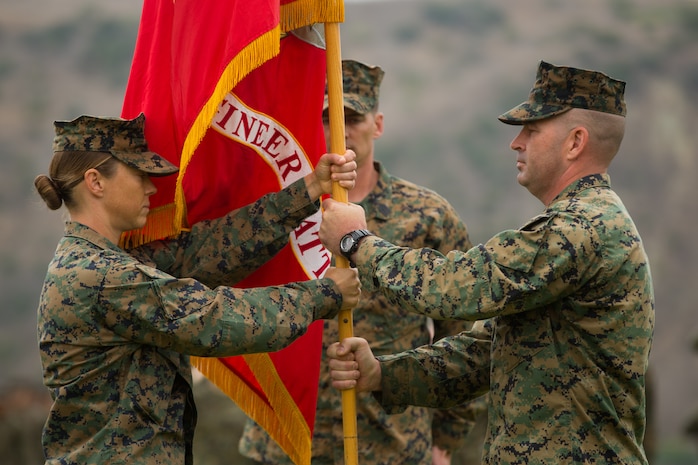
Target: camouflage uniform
column 412, row 216
column 114, row 327
column 570, row 309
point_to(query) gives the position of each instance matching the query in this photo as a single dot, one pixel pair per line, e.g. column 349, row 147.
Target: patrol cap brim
column 147, row 162
column 353, row 102
column 527, row 112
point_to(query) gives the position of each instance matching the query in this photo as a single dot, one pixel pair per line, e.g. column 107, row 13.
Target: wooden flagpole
column 338, row 145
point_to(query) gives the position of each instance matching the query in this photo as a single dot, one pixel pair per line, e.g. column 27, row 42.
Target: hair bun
column 49, row 191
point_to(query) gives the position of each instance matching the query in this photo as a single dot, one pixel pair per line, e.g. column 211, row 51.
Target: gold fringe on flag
column 169, row 220
column 306, row 12
column 289, row 430
column 159, row 225
column 252, row 56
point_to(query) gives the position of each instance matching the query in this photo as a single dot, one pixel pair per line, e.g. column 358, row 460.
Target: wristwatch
column 350, row 242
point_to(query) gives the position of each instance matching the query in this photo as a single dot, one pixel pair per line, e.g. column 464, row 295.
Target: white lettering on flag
column 284, row 155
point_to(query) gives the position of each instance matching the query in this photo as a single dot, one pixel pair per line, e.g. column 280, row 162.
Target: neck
column 567, row 180
column 366, row 180
column 97, row 222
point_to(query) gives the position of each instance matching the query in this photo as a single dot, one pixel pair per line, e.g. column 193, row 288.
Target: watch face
column 346, row 243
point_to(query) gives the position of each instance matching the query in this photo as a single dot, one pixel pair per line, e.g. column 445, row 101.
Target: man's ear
column 379, row 125
column 94, row 182
column 577, row 139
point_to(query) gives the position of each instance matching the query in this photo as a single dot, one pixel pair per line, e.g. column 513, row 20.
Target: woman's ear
column 94, row 182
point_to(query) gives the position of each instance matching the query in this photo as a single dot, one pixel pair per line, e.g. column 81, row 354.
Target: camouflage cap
column 123, row 139
column 559, row 88
column 361, row 85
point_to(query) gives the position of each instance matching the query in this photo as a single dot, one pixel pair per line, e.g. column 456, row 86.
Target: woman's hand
column 331, row 168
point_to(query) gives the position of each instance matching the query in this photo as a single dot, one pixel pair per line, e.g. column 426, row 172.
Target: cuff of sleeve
column 332, row 300
column 388, row 397
column 369, row 253
column 296, row 196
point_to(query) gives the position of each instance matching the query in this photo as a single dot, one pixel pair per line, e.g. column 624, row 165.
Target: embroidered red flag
column 236, row 102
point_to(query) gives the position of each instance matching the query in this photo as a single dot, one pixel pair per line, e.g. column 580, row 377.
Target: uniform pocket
column 177, row 297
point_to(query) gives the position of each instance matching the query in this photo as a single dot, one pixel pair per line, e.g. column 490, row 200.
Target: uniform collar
column 592, row 181
column 79, row 230
column 377, row 203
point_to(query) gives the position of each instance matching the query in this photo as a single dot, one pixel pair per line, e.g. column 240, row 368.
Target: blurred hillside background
column 451, row 67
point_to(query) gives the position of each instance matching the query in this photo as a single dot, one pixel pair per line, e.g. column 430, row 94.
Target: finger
column 332, row 350
column 337, row 353
column 350, row 344
column 344, row 176
column 344, row 370
column 344, row 385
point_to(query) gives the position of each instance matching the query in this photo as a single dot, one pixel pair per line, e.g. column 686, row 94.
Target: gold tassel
column 306, row 12
column 289, row 430
column 158, row 225
column 167, row 221
column 254, row 55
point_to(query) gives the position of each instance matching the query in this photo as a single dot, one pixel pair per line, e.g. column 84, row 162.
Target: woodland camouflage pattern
column 560, row 88
column 408, row 215
column 361, row 86
column 570, row 305
column 114, row 327
column 123, row 139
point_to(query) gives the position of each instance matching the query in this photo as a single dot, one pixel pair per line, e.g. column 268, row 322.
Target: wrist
column 349, row 243
column 313, row 186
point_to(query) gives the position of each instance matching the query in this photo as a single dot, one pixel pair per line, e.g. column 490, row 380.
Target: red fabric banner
column 238, row 108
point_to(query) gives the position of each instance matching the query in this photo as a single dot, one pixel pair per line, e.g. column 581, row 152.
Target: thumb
column 342, row 349
column 350, row 344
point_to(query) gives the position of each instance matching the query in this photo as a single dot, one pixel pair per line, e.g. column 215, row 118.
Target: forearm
column 442, row 375
column 185, row 316
column 424, row 281
column 226, row 250
column 288, row 311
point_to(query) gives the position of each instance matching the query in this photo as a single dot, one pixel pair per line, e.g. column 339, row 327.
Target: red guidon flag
column 232, row 92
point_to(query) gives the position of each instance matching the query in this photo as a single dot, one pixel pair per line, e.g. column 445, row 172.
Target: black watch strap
column 354, row 238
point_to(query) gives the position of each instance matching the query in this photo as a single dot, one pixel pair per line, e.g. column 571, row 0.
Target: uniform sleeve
column 446, row 374
column 225, row 250
column 450, row 427
column 513, row 272
column 144, row 305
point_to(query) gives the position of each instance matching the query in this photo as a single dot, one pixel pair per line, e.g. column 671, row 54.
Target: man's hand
column 338, row 219
column 352, row 365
